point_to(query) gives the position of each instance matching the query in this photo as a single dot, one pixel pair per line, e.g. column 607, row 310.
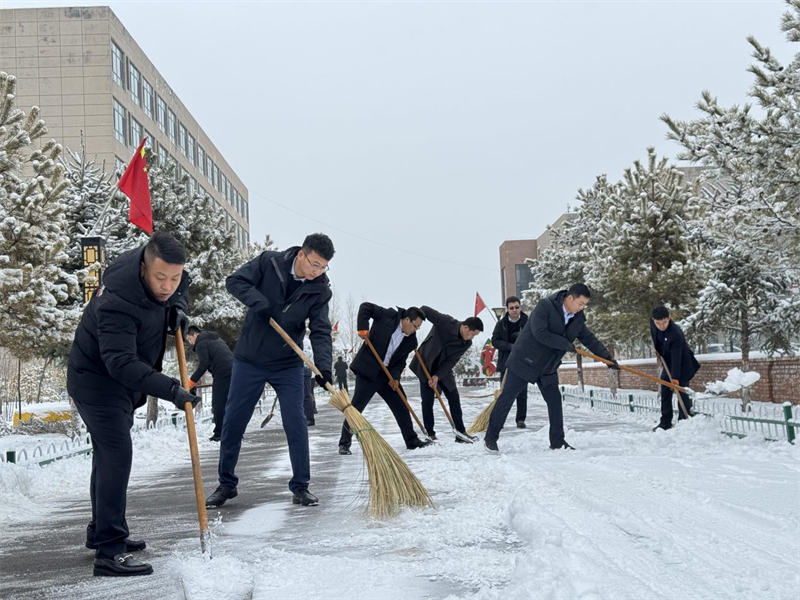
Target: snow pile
column 736, row 380
column 220, row 578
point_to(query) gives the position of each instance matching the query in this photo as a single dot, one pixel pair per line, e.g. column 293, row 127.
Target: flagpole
column 101, row 218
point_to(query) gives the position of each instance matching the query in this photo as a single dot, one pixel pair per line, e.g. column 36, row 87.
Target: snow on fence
column 774, row 422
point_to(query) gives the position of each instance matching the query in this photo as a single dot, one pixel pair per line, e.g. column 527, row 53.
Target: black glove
column 324, row 379
column 614, row 364
column 193, row 390
column 571, row 347
column 177, row 318
column 273, row 312
column 180, row 396
column 514, row 336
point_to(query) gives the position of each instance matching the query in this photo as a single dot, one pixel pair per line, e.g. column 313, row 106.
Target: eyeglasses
column 317, row 268
column 416, row 327
column 514, row 308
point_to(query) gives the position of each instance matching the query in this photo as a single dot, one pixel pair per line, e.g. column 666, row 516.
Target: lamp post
column 498, row 312
column 94, row 252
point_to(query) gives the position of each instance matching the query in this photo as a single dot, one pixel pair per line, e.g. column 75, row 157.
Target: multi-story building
column 90, row 78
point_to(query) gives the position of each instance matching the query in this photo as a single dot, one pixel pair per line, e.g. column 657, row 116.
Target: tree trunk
column 579, row 359
column 613, row 374
column 19, row 387
column 152, row 410
column 745, row 360
column 41, row 379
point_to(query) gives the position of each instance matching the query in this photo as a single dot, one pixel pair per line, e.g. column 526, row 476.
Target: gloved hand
column 676, row 382
column 273, row 312
column 193, row 391
column 363, row 333
column 514, row 336
column 177, row 319
column 180, row 396
column 325, row 378
column 614, row 365
column 571, row 347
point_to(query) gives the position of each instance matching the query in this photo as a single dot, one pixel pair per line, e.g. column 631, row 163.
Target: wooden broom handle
column 669, row 384
column 299, row 352
column 666, row 368
column 435, row 388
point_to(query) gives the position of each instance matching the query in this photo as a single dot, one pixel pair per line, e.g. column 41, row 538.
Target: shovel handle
column 680, row 398
column 669, row 384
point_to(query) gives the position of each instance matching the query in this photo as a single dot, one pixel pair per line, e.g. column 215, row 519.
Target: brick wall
column 780, row 377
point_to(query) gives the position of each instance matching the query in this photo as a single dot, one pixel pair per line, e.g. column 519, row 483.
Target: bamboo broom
column 392, row 484
column 481, row 423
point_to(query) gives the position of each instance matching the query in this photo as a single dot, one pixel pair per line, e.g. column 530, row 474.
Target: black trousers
column 342, row 381
column 365, row 390
column 522, row 401
column 308, row 398
column 428, row 400
column 219, row 396
column 548, row 385
column 666, row 402
column 112, row 454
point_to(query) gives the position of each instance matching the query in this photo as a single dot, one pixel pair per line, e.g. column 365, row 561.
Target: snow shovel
column 399, row 389
column 669, row 384
column 202, row 516
column 680, row 400
column 463, row 437
column 271, row 412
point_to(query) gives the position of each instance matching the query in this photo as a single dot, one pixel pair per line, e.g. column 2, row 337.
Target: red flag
column 135, row 185
column 336, row 327
column 480, row 305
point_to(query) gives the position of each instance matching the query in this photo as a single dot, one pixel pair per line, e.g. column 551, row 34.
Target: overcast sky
column 437, row 128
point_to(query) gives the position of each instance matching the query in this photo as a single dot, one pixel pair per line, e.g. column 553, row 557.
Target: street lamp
column 94, row 253
column 498, row 312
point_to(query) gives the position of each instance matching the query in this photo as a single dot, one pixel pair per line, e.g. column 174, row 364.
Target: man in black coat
column 445, row 345
column 556, row 322
column 670, row 343
column 394, row 336
column 340, row 368
column 214, row 356
column 114, row 364
column 506, row 332
column 292, row 288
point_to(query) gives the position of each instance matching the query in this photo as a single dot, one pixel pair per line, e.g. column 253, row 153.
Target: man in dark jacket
column 445, row 345
column 506, row 332
column 556, row 322
column 290, row 287
column 340, row 368
column 114, row 364
column 670, row 344
column 214, row 356
column 394, row 336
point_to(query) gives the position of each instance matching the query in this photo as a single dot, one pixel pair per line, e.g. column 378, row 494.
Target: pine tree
column 35, row 288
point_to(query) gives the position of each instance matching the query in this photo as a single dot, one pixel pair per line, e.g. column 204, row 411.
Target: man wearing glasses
column 394, row 336
column 505, row 334
column 292, row 288
column 556, row 322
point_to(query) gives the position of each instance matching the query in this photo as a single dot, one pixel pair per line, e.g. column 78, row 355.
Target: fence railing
column 774, row 422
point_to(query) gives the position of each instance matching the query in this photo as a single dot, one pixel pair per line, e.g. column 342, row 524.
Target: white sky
column 441, row 128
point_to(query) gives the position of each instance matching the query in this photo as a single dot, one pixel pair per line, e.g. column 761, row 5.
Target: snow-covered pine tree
column 35, row 288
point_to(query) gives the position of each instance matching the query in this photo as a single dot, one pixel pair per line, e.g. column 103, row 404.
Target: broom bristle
column 481, row 423
column 392, row 484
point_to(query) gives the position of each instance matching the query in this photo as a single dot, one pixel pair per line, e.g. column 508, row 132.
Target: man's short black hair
column 579, row 289
column 413, row 313
column 193, row 329
column 319, row 243
column 164, row 246
column 511, row 299
column 341, row 358
column 660, row 312
column 473, row 323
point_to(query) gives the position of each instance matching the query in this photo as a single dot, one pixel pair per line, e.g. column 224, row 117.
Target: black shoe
column 220, row 496
column 460, row 440
column 663, row 426
column 344, row 450
column 214, row 438
column 122, row 565
column 131, row 545
column 490, row 447
column 305, row 498
column 563, row 446
column 521, row 425
column 418, row 443
column 310, row 422
column 432, row 436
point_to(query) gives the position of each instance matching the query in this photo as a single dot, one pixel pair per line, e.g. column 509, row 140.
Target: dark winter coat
column 545, row 339
column 384, row 323
column 119, row 344
column 340, row 368
column 261, row 284
column 213, row 355
column 501, row 338
column 676, row 352
column 442, row 349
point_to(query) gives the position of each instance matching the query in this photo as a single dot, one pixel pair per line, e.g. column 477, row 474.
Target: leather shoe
column 521, row 425
column 220, row 496
column 490, row 447
column 418, row 443
column 305, row 498
column 131, row 545
column 344, row 450
column 564, row 446
column 122, row 565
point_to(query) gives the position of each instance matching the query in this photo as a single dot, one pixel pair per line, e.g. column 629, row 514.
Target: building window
column 182, row 138
column 524, row 278
column 161, row 113
column 201, row 159
column 216, row 177
column 162, row 156
column 190, row 144
column 136, row 132
column 147, row 98
column 134, row 83
column 192, row 186
column 116, row 64
column 120, row 117
column 202, row 191
column 119, row 165
column 171, row 125
column 210, row 171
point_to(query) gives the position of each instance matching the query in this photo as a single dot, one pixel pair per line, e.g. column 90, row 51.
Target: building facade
column 91, row 79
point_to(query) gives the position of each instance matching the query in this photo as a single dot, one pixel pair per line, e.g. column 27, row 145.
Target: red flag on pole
column 479, row 304
column 135, row 185
column 336, row 327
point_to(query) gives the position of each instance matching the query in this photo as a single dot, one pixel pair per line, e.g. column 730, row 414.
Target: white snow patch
column 736, row 380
